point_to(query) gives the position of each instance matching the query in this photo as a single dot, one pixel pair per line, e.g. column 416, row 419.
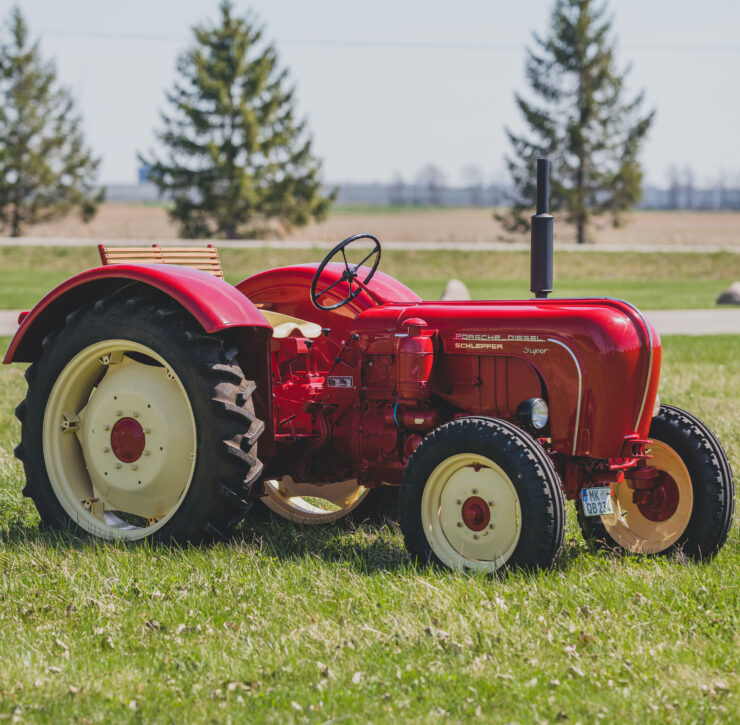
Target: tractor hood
column 598, row 360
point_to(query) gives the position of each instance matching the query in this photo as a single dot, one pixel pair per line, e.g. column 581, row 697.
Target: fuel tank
column 597, row 362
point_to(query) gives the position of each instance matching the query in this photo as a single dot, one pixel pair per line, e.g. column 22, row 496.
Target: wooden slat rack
column 203, row 258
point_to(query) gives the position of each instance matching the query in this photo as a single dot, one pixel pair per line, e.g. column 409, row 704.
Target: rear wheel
column 690, row 507
column 480, row 494
column 138, row 425
column 313, row 505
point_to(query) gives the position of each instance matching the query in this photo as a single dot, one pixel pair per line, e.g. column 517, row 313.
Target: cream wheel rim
column 310, row 503
column 110, row 486
column 471, row 513
column 635, row 532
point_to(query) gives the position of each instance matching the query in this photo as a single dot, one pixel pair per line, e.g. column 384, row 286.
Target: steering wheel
column 349, row 275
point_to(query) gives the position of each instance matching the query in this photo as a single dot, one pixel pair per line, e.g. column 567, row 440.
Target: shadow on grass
column 366, row 548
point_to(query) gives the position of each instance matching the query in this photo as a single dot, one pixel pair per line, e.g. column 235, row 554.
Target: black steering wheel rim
column 350, row 271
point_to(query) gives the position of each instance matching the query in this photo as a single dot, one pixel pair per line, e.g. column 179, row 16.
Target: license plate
column 597, row 501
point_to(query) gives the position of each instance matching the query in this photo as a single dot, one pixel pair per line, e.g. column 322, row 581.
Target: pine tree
column 580, row 120
column 237, row 162
column 45, row 168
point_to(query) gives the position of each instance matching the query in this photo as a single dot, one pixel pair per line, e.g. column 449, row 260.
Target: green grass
column 286, row 624
column 651, row 281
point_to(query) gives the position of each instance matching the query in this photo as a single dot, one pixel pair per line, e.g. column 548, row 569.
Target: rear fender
column 215, row 304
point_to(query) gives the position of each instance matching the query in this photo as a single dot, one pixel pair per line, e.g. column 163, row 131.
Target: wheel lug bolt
column 106, row 450
column 136, row 414
column 475, row 536
column 135, row 467
column 119, row 413
column 106, row 427
column 475, row 490
column 147, row 452
column 490, row 526
column 118, row 465
column 459, row 523
column 490, row 503
column 147, row 431
column 459, row 502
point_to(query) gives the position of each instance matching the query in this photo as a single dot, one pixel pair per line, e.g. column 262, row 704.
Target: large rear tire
column 692, row 507
column 481, row 494
column 138, row 425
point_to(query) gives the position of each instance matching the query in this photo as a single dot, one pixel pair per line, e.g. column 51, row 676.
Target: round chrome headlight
column 533, row 413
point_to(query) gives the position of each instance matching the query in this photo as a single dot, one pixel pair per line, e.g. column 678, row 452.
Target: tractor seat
column 284, row 325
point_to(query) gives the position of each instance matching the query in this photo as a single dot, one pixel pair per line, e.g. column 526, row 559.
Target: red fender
column 214, row 303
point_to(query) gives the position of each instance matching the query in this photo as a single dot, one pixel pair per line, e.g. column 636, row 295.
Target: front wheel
column 691, row 506
column 480, row 494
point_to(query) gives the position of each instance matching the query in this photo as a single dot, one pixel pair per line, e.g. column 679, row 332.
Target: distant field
column 147, row 221
column 663, row 280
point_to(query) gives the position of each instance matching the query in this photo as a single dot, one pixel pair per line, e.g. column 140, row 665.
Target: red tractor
column 165, row 403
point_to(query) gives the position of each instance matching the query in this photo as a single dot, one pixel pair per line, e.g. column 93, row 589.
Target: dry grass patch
column 117, row 220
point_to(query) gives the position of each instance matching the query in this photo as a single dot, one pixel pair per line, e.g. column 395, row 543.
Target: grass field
column 665, row 280
column 286, row 624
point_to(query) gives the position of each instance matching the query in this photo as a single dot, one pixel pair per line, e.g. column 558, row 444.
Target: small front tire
column 481, row 494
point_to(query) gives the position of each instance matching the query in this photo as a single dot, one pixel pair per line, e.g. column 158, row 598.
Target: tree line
column 236, row 160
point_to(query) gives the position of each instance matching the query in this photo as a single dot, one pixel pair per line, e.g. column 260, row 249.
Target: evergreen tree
column 580, row 120
column 45, row 168
column 237, row 162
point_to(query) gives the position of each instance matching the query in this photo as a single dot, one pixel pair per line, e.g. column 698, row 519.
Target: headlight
column 656, row 407
column 534, row 413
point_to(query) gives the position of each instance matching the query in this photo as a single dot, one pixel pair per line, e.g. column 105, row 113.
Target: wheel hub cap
column 659, row 503
column 128, row 440
column 476, row 513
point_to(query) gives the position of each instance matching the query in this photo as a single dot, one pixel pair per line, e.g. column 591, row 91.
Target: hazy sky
column 391, row 85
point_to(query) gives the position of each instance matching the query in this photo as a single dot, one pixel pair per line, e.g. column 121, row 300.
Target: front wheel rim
column 119, row 440
column 313, row 504
column 631, row 529
column 471, row 513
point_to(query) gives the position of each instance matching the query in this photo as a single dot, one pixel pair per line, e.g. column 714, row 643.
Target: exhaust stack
column 541, row 240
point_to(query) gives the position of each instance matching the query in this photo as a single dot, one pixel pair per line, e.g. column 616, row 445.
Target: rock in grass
column 731, row 296
column 456, row 290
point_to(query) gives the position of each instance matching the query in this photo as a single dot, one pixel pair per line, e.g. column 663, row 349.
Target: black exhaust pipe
column 541, row 240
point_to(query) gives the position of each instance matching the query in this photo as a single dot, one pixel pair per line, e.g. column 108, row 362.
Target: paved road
column 405, row 246
column 667, row 322
column 8, row 321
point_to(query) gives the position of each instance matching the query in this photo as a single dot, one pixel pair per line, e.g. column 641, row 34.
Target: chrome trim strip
column 580, row 389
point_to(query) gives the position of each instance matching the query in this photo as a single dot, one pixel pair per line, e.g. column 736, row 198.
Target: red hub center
column 658, row 503
column 127, row 440
column 476, row 514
